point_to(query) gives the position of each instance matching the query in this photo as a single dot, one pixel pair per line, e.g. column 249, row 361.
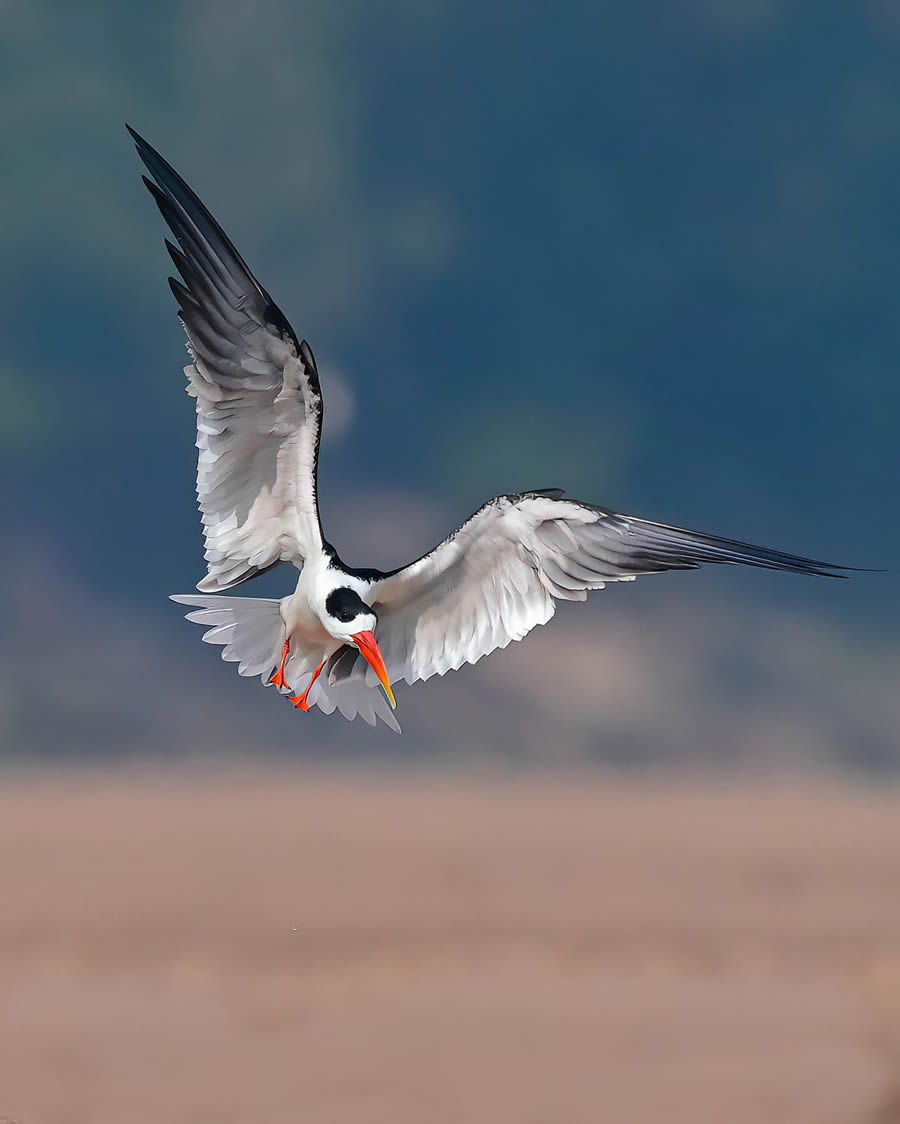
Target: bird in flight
column 345, row 635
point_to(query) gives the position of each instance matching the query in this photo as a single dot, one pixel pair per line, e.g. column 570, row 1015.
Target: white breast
column 303, row 626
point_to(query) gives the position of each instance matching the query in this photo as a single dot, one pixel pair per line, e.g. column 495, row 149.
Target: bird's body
column 303, row 611
column 259, row 423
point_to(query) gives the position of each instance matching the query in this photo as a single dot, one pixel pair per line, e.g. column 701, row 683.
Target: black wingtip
column 139, row 142
column 184, row 296
column 141, row 146
column 206, row 246
column 152, row 187
column 550, row 493
column 307, row 356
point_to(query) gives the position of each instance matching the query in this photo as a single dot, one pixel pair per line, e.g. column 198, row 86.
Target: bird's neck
column 322, row 573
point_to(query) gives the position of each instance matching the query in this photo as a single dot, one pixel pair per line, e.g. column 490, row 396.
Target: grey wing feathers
column 259, row 403
column 641, row 547
column 500, row 574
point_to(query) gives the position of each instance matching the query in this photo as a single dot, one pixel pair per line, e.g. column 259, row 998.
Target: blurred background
column 641, row 866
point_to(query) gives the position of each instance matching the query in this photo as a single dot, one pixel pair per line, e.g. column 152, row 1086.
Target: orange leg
column 299, row 701
column 278, row 678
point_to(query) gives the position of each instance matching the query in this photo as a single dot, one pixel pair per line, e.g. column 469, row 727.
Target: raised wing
column 259, row 404
column 501, row 573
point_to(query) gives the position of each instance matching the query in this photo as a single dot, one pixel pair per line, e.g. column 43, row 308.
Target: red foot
column 299, row 701
column 278, row 679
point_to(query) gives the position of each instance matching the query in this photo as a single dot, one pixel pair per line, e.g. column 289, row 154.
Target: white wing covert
column 501, row 573
column 259, row 403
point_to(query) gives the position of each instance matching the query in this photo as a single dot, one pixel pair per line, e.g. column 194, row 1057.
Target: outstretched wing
column 259, row 404
column 501, row 573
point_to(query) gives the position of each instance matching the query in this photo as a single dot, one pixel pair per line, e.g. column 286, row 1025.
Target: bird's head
column 349, row 619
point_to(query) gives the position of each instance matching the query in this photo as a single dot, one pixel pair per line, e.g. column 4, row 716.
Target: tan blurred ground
column 287, row 948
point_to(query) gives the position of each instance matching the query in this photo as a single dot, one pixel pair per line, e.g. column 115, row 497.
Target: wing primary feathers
column 497, row 576
column 183, row 295
column 192, row 241
column 257, row 445
column 173, row 187
column 658, row 544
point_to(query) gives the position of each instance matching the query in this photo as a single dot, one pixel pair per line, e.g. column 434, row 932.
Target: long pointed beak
column 368, row 645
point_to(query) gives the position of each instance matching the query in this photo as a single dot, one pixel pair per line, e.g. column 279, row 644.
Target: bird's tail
column 250, row 628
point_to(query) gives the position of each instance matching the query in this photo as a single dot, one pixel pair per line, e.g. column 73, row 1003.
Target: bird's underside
column 259, row 420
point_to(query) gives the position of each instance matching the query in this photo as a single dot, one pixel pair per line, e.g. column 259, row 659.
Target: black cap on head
column 345, row 605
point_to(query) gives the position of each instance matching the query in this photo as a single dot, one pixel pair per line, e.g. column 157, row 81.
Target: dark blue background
column 648, row 253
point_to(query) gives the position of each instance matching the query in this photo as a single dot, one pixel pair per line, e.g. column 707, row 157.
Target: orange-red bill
column 368, row 645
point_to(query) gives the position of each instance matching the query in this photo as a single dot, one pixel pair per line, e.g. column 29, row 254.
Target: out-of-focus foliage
column 646, row 253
